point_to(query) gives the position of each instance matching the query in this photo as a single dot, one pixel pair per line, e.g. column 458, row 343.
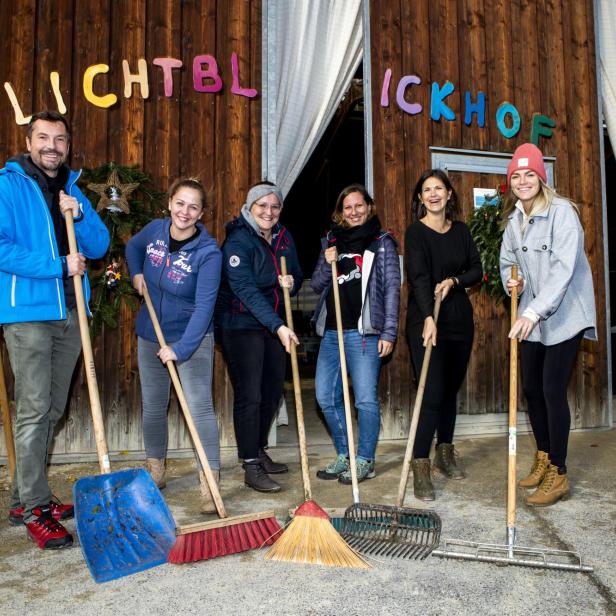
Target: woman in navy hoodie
column 249, row 319
column 180, row 263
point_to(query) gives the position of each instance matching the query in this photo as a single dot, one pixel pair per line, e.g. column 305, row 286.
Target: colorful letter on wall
column 542, row 126
column 479, row 108
column 411, row 108
column 141, row 78
column 385, row 88
column 235, row 83
column 88, row 79
column 167, row 64
column 200, row 75
column 19, row 116
column 437, row 107
column 504, row 110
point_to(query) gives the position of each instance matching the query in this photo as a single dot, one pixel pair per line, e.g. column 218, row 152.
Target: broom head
column 310, row 538
column 223, row 537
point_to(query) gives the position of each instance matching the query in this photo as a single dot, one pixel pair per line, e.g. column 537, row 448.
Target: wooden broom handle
column 6, row 420
column 345, row 384
column 421, row 386
column 207, row 471
column 88, row 356
column 297, row 389
column 513, row 407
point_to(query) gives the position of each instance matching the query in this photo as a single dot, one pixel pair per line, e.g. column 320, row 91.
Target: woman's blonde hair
column 542, row 201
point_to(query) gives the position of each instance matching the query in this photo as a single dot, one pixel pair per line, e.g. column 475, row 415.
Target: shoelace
column 49, row 525
column 549, row 480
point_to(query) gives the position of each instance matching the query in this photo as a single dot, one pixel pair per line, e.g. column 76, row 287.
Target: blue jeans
column 196, row 377
column 363, row 363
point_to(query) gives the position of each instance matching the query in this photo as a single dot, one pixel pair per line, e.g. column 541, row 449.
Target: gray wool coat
column 557, row 277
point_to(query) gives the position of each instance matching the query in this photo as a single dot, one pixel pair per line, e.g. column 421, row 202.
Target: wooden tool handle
column 6, row 420
column 297, row 389
column 207, row 471
column 513, row 407
column 88, row 356
column 421, row 386
column 345, row 384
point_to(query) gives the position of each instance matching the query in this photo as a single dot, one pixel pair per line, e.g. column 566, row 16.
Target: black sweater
column 430, row 258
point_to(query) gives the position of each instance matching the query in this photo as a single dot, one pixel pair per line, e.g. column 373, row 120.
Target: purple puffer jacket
column 380, row 282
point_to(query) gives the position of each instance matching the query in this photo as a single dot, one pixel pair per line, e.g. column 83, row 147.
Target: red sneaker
column 46, row 532
column 58, row 512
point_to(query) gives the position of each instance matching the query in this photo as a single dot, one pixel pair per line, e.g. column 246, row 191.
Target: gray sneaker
column 365, row 470
column 334, row 469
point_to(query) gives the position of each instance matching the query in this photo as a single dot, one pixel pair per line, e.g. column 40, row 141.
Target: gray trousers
column 43, row 355
column 196, row 377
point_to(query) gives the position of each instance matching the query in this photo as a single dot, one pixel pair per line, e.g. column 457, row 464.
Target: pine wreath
column 485, row 228
column 109, row 280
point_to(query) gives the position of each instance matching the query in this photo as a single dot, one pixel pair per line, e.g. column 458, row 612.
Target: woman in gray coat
column 544, row 237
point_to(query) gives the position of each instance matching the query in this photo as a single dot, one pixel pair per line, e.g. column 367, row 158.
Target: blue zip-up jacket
column 31, row 287
column 183, row 285
column 250, row 296
column 380, row 287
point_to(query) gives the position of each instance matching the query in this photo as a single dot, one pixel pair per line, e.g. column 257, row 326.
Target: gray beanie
column 254, row 194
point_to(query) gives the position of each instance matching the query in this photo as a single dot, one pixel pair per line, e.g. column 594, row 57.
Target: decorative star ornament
column 113, row 194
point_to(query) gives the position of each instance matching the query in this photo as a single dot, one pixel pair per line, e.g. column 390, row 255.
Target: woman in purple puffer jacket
column 369, row 283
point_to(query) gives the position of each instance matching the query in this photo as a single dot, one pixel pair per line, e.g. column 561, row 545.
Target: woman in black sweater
column 440, row 257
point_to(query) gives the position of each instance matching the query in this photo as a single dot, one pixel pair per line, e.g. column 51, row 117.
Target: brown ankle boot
column 422, row 481
column 207, row 500
column 156, row 468
column 537, row 471
column 445, row 462
column 553, row 488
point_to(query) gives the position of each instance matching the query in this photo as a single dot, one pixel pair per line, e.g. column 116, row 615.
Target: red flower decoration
column 485, row 278
column 502, row 189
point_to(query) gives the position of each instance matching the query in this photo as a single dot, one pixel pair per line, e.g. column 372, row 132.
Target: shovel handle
column 173, row 373
column 406, row 466
column 513, row 410
column 345, row 384
column 88, row 355
column 297, row 389
column 6, row 420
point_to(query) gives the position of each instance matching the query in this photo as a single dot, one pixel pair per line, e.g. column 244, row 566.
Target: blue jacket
column 380, row 286
column 183, row 285
column 31, row 287
column 250, row 296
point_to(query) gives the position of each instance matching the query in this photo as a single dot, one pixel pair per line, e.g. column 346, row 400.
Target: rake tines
column 394, row 532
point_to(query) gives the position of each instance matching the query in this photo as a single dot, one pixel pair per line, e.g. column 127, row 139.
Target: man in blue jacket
column 38, row 309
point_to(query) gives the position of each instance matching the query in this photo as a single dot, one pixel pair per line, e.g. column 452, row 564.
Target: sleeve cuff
column 529, row 313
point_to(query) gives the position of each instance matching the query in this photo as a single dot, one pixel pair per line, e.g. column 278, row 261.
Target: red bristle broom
column 229, row 535
column 310, row 537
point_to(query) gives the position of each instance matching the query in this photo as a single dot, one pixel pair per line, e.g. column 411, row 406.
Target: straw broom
column 310, row 537
column 229, row 535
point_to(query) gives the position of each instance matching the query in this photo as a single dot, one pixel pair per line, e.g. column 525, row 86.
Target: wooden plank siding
column 538, row 56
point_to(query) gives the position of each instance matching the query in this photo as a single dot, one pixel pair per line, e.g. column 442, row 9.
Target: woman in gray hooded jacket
column 545, row 239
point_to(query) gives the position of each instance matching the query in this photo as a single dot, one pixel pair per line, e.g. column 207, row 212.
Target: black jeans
column 545, row 374
column 256, row 362
column 447, row 370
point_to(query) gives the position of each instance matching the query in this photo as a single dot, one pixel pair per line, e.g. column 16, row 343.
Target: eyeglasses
column 274, row 209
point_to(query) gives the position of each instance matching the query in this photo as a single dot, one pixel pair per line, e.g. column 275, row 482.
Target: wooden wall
column 538, row 55
column 213, row 136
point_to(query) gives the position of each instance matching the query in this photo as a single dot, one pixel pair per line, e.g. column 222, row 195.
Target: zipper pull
column 168, row 260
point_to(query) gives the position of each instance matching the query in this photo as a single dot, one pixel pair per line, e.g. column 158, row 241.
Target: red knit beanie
column 527, row 156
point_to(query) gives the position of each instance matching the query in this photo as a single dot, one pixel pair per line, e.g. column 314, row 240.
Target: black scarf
column 356, row 239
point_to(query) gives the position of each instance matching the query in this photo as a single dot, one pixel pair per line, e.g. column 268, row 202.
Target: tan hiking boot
column 537, row 471
column 553, row 488
column 156, row 468
column 422, row 481
column 445, row 462
column 207, row 500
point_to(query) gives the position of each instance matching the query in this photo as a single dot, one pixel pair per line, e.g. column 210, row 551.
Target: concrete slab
column 36, row 582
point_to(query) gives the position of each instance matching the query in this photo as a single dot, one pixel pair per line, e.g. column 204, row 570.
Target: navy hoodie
column 183, row 285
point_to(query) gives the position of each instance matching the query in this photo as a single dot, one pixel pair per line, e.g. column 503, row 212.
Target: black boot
column 256, row 478
column 271, row 467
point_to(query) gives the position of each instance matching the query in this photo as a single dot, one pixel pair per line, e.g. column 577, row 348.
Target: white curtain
column 311, row 51
column 607, row 59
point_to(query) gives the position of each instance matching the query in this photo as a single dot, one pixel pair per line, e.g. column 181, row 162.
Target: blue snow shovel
column 123, row 523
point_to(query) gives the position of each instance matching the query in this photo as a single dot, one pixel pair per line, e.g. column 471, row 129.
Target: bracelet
column 455, row 281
